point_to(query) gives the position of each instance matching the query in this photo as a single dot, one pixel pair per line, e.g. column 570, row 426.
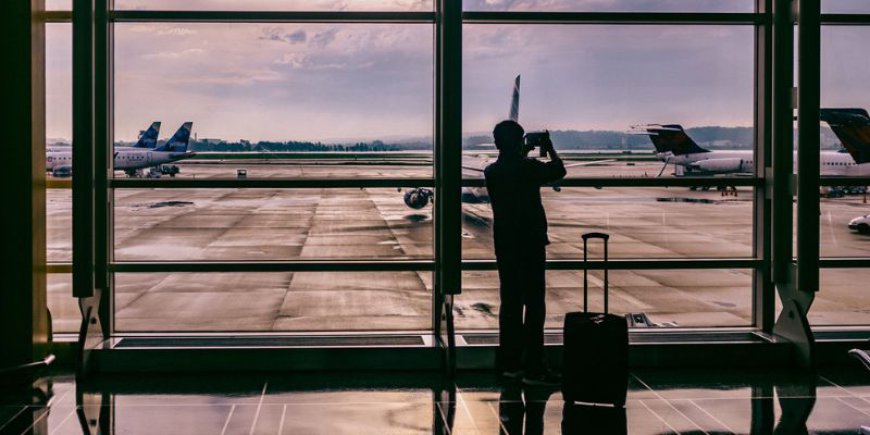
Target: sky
column 344, row 82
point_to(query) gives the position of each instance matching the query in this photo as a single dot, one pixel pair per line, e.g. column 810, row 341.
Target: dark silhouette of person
column 514, row 183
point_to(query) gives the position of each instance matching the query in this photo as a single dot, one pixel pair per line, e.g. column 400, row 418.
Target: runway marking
column 227, row 423
column 259, row 406
column 281, row 423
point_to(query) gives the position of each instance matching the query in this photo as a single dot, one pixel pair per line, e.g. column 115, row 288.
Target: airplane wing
column 594, row 162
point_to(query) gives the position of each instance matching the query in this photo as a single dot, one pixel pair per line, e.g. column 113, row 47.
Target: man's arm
column 554, row 169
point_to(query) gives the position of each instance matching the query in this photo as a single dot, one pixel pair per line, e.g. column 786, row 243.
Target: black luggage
column 595, row 350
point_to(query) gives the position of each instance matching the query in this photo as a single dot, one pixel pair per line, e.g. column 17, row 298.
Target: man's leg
column 510, row 314
column 534, row 290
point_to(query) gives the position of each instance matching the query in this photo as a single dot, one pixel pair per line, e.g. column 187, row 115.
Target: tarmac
column 375, row 224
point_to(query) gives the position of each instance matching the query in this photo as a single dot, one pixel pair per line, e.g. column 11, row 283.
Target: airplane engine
column 722, row 166
column 418, row 198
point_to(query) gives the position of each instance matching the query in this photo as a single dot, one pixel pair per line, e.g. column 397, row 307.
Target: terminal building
column 335, row 271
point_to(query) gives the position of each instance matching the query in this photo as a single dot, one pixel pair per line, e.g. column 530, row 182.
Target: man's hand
column 547, row 146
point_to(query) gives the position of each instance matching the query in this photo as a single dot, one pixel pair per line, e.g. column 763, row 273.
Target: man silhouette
column 520, row 232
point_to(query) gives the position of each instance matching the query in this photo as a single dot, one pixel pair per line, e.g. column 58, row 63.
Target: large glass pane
column 64, row 308
column 598, row 89
column 269, row 224
column 279, row 5
column 845, row 6
column 611, row 5
column 275, row 100
column 652, row 222
column 842, row 299
column 669, row 298
column 290, row 302
column 58, row 99
column 845, row 141
column 58, row 5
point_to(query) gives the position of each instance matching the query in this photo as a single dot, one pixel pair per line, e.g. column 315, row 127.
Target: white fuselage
column 126, row 158
column 831, row 162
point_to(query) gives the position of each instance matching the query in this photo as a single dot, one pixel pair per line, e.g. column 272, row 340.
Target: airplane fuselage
column 831, row 163
column 125, row 159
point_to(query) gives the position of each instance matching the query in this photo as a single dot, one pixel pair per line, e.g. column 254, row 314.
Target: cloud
column 174, row 54
column 323, row 39
column 177, row 31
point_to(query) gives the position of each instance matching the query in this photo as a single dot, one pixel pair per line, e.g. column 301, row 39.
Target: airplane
column 674, row 146
column 419, row 197
column 133, row 159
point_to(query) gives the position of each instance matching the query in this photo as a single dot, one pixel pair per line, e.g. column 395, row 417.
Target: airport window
column 611, row 6
column 845, row 7
column 58, row 5
column 269, row 224
column 845, row 142
column 279, row 302
column 279, row 5
column 668, row 298
column 654, row 222
column 277, row 100
column 58, row 208
column 315, row 139
column 843, row 299
column 601, row 90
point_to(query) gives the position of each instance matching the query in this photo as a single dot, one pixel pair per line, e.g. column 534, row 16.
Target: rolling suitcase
column 595, row 350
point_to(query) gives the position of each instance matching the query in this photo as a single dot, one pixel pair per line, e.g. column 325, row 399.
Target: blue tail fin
column 672, row 137
column 852, row 127
column 515, row 102
column 178, row 142
column 149, row 137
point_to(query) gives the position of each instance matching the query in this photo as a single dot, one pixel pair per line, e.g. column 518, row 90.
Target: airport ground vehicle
column 861, row 224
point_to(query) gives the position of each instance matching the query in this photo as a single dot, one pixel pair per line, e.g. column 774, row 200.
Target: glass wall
column 616, row 99
column 274, row 161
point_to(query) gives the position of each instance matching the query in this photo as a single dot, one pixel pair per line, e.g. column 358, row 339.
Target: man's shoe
column 544, row 378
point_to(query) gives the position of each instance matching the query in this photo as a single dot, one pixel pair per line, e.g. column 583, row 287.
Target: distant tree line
column 712, row 137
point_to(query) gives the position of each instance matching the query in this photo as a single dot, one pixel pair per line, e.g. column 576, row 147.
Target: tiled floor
column 833, row 401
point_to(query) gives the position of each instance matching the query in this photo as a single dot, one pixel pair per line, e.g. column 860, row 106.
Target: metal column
column 448, row 171
column 24, row 320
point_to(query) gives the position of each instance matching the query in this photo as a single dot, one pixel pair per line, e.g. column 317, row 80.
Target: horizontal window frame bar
column 274, row 266
column 632, row 264
column 844, row 263
column 168, row 16
column 58, row 268
column 846, row 19
column 630, row 18
column 268, row 183
column 56, row 16
column 844, row 181
column 644, row 182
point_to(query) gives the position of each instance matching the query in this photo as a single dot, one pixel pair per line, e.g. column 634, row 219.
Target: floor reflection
column 659, row 402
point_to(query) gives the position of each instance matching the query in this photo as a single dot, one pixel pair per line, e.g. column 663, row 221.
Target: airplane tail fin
column 852, row 127
column 149, row 137
column 178, row 142
column 515, row 102
column 672, row 137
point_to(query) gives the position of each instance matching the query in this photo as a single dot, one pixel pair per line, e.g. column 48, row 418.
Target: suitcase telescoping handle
column 586, row 237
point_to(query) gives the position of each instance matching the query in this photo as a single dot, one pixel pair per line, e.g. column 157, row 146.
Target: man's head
column 508, row 137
